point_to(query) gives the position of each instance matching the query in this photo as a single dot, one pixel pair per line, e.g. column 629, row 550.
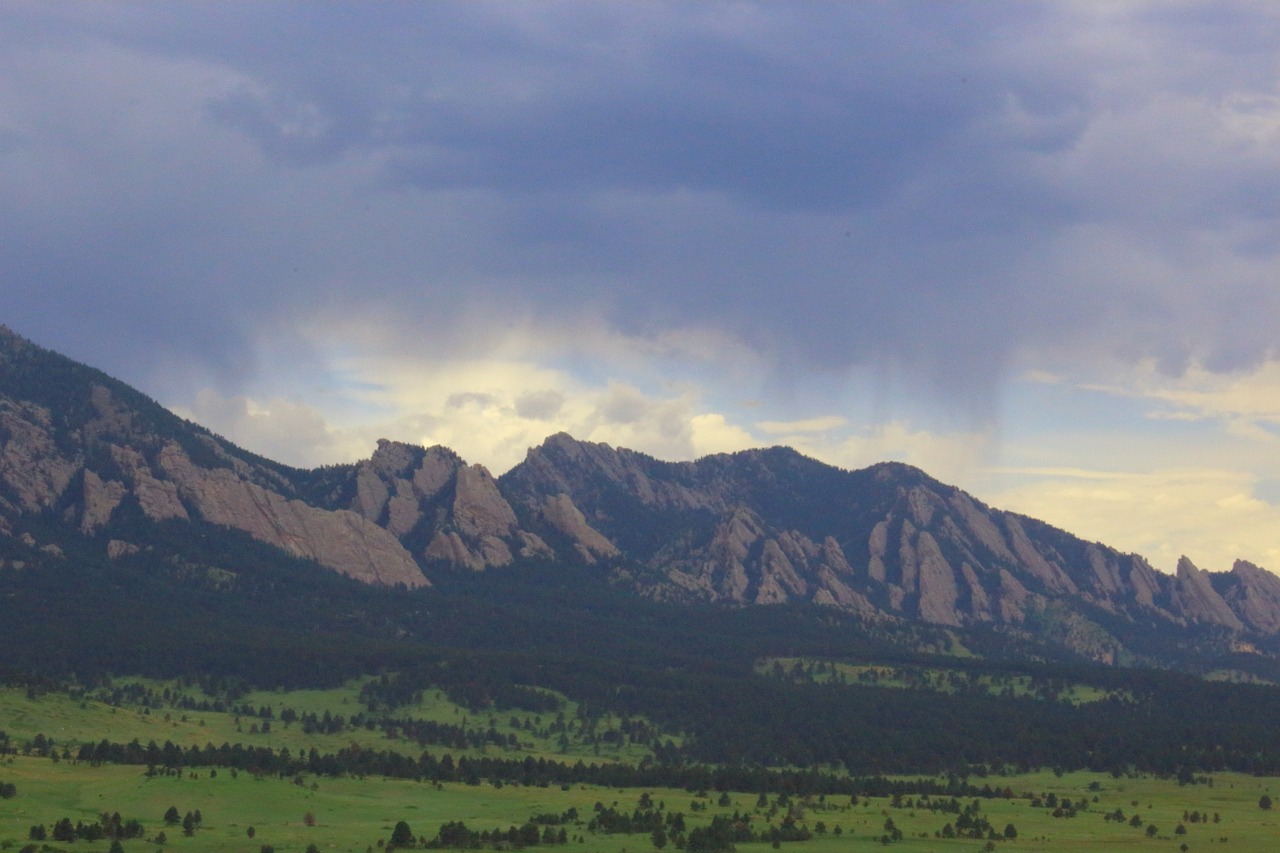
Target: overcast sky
column 1032, row 248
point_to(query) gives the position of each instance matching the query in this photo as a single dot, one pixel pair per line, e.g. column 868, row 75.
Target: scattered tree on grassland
column 402, row 835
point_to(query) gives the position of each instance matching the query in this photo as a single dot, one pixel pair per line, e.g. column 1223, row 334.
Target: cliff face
column 1253, row 594
column 443, row 509
column 342, row 540
column 77, row 444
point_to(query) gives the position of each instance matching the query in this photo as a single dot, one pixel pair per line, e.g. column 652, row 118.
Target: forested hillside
column 134, row 543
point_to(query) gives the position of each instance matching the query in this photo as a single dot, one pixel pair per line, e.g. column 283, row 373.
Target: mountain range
column 87, row 460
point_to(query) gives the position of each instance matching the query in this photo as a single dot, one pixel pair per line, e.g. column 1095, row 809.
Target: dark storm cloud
column 797, row 108
column 930, row 189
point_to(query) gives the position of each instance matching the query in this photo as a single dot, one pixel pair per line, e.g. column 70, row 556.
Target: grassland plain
column 354, row 815
column 938, row 679
column 1219, row 813
column 73, row 720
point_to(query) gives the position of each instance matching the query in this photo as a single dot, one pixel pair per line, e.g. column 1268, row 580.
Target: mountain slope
column 94, row 460
column 767, row 526
column 88, row 450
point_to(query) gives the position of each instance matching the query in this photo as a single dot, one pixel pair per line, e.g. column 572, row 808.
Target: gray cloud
column 540, row 405
column 930, row 191
column 470, row 398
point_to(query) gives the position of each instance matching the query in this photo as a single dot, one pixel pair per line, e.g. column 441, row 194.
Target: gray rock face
column 158, row 498
column 34, row 469
column 341, row 540
column 589, row 544
column 432, row 495
column 1194, row 594
column 100, row 501
column 49, row 461
column 117, row 549
column 1253, row 594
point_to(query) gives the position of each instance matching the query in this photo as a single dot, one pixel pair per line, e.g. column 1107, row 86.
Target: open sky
column 1032, row 248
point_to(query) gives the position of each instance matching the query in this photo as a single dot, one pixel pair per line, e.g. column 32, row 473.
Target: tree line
column 534, row 772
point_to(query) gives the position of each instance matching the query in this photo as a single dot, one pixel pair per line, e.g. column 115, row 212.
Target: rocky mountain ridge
column 84, row 448
column 758, row 527
column 767, row 526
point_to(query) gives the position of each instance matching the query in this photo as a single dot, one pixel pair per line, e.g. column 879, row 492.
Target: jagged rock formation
column 77, row 443
column 1252, row 594
column 759, row 527
column 1195, row 598
column 34, row 471
column 340, row 539
column 438, row 506
column 769, row 526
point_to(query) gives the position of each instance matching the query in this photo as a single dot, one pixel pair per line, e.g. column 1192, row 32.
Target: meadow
column 937, row 679
column 253, row 812
column 79, row 717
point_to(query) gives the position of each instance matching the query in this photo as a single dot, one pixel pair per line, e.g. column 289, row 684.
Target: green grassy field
column 937, row 679
column 74, row 720
column 348, row 814
column 352, row 815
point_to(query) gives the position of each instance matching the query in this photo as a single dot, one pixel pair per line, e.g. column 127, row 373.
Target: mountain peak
column 901, row 472
column 564, row 444
column 560, row 439
column 765, row 525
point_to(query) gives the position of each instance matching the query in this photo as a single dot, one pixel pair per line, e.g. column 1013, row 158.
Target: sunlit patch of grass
column 931, row 678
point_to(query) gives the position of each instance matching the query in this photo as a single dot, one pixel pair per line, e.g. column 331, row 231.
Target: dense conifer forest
column 500, row 646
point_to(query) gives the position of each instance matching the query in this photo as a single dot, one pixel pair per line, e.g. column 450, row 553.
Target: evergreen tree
column 402, row 835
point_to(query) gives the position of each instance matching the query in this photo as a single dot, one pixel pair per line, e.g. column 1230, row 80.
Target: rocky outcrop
column 720, row 568
column 1194, row 596
column 1013, row 598
column 157, row 497
column 744, row 528
column 1053, row 577
column 57, row 461
column 585, row 471
column 1144, row 582
column 563, row 516
column 933, row 578
column 341, row 540
column 479, row 510
column 34, row 471
column 747, row 562
column 118, row 549
column 100, row 500
column 1253, row 594
column 432, row 495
